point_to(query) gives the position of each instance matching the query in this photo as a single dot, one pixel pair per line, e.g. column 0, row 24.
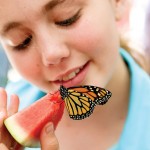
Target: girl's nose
column 53, row 54
column 52, row 46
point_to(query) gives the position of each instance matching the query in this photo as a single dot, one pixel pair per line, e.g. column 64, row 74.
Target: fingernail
column 13, row 96
column 49, row 128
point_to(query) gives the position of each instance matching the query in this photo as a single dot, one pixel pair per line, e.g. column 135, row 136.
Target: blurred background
column 4, row 68
column 134, row 27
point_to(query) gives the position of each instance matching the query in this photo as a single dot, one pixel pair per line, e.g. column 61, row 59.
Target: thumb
column 48, row 138
column 3, row 147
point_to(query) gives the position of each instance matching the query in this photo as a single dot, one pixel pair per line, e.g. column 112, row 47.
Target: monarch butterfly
column 80, row 101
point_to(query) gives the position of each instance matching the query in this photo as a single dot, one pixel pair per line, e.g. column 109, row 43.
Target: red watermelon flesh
column 26, row 125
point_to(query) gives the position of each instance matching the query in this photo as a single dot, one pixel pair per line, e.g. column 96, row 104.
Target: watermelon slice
column 26, row 125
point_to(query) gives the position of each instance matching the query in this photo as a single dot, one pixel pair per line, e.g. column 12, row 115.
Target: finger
column 2, row 117
column 48, row 138
column 14, row 104
column 3, row 147
column 3, row 105
column 3, row 99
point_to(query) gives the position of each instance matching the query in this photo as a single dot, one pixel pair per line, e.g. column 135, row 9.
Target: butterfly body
column 81, row 100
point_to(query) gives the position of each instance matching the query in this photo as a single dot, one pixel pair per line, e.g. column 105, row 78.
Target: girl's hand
column 6, row 140
column 48, row 138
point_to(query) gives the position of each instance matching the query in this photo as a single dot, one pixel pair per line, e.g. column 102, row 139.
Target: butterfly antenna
column 61, row 82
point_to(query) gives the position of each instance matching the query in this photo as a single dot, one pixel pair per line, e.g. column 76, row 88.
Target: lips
column 73, row 77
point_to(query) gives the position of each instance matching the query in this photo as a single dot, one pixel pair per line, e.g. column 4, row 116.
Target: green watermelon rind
column 20, row 135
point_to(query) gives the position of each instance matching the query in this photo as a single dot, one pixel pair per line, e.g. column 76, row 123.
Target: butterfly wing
column 79, row 106
column 98, row 95
column 81, row 100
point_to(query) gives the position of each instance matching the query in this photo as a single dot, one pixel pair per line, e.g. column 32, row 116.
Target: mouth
column 73, row 77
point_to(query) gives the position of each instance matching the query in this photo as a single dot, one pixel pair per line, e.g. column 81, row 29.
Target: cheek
column 99, row 42
column 85, row 39
column 27, row 66
column 28, row 71
column 94, row 41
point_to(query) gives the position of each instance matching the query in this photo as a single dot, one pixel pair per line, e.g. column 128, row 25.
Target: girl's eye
column 24, row 44
column 69, row 21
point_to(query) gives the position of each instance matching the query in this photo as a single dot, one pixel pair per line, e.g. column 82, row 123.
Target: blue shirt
column 136, row 132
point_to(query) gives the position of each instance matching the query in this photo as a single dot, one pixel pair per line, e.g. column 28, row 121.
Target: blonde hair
column 139, row 57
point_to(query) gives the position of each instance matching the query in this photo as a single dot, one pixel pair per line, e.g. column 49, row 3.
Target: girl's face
column 51, row 42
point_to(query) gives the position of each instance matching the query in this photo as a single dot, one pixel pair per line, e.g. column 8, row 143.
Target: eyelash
column 24, row 44
column 64, row 23
column 70, row 21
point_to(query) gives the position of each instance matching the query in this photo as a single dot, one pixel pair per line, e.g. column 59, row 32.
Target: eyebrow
column 9, row 26
column 53, row 4
column 50, row 5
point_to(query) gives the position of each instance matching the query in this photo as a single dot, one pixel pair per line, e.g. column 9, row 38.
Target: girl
column 147, row 33
column 76, row 42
